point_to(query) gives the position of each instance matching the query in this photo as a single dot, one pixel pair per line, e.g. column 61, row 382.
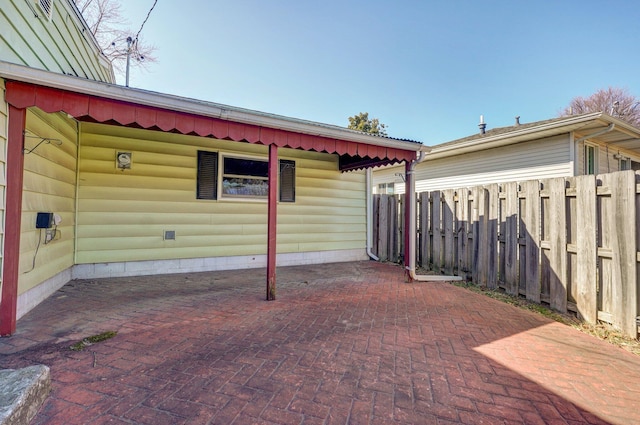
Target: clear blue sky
column 427, row 69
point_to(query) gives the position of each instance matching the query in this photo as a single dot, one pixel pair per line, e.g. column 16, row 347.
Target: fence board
column 392, row 248
column 586, row 295
column 464, row 268
column 622, row 242
column 491, row 209
column 474, row 226
column 574, row 243
column 557, row 238
column 448, row 208
column 425, row 245
column 383, row 226
column 511, row 238
column 481, row 247
column 436, row 233
column 532, row 240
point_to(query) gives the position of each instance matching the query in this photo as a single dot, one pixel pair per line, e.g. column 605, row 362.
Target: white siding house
column 582, row 144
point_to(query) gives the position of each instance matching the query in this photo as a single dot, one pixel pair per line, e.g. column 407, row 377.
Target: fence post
column 436, row 243
column 424, row 229
column 532, row 238
column 586, row 291
column 491, row 209
column 557, row 218
column 464, row 269
column 511, row 238
column 621, row 230
column 393, row 229
column 447, row 218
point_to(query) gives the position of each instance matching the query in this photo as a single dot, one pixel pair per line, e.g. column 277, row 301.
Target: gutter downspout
column 369, row 216
column 597, row 133
column 411, row 245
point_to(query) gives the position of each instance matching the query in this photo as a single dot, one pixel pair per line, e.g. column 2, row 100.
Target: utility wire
column 145, row 21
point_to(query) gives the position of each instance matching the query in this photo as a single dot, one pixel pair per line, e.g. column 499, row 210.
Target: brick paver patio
column 344, row 343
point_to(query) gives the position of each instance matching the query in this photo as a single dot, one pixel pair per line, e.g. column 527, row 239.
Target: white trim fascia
column 198, row 107
column 567, row 125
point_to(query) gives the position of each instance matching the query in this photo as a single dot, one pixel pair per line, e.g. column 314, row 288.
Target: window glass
column 242, row 177
column 590, row 159
column 625, row 164
column 386, row 188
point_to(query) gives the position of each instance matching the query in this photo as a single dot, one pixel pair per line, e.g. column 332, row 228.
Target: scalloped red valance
column 86, row 107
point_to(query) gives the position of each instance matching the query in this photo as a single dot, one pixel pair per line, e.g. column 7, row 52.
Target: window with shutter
column 207, row 175
column 287, row 180
column 242, row 177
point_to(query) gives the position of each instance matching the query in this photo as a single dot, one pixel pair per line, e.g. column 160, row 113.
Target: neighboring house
column 592, row 143
column 135, row 182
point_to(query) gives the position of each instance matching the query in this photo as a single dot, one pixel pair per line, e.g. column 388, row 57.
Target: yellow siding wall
column 122, row 214
column 49, row 186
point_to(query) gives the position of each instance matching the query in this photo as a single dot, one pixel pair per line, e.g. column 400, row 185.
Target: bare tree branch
column 617, row 102
column 111, row 30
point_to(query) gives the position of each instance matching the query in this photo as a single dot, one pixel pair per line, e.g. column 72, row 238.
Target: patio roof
column 116, row 105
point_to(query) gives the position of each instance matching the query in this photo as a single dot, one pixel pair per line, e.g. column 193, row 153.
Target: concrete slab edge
column 22, row 392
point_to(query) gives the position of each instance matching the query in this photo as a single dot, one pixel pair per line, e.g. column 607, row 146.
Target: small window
column 386, row 188
column 590, row 159
column 241, row 177
column 625, row 164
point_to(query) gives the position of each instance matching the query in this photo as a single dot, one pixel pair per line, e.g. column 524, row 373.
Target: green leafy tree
column 617, row 102
column 363, row 123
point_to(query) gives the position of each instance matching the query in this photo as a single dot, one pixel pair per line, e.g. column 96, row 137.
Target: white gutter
column 182, row 104
column 411, row 249
column 565, row 125
column 597, row 133
column 368, row 198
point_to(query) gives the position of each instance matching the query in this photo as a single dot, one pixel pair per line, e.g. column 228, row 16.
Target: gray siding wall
column 607, row 162
column 538, row 159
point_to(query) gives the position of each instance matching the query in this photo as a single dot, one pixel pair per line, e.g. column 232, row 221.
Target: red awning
column 86, row 107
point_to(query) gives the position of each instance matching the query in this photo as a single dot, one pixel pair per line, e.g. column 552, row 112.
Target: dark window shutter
column 287, row 180
column 207, row 175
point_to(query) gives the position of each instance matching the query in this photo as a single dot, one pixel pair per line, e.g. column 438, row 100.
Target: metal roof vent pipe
column 482, row 125
column 518, row 120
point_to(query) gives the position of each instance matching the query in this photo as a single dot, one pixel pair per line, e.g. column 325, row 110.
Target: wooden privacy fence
column 569, row 242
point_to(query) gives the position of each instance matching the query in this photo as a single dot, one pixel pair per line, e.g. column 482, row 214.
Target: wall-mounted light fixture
column 123, row 160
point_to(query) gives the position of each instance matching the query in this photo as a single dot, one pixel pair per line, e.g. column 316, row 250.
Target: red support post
column 408, row 199
column 272, row 219
column 13, row 215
